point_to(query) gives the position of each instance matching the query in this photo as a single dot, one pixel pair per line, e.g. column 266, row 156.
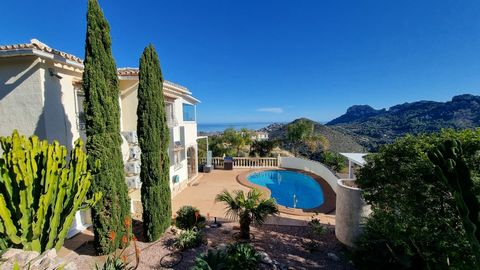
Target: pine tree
column 153, row 137
column 102, row 115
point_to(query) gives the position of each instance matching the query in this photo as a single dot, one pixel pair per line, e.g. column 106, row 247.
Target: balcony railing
column 244, row 162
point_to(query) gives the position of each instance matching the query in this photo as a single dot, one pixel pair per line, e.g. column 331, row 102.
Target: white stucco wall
column 129, row 103
column 21, row 96
column 185, row 132
column 350, row 212
column 59, row 104
column 310, row 166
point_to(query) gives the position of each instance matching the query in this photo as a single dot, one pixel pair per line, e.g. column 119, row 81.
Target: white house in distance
column 41, row 93
column 259, row 136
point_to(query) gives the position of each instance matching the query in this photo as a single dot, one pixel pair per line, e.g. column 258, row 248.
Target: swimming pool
column 290, row 189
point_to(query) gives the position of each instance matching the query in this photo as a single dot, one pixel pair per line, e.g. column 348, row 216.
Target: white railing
column 310, row 166
column 244, row 162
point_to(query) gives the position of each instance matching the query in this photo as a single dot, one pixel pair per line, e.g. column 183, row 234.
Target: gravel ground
column 285, row 244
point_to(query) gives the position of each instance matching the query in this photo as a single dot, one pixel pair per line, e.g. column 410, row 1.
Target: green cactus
column 452, row 169
column 39, row 192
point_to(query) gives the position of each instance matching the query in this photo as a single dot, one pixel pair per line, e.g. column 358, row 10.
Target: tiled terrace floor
column 203, row 191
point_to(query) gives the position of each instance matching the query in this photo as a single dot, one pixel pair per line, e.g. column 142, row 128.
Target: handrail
column 245, row 162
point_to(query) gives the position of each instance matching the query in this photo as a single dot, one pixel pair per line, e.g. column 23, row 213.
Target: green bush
column 316, row 228
column 212, row 260
column 189, row 217
column 189, row 238
column 415, row 223
column 242, row 256
column 235, row 256
column 333, row 160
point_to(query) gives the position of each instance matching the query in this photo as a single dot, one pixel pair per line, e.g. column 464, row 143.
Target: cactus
column 39, row 193
column 452, row 169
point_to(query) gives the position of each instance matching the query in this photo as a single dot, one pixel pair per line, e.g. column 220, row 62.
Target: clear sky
column 254, row 60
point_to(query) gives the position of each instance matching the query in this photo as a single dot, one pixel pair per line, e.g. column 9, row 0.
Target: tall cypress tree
column 153, row 137
column 102, row 115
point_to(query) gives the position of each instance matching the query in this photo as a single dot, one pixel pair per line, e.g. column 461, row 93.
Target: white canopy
column 354, row 158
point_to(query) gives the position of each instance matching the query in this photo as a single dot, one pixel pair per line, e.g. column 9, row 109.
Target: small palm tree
column 247, row 209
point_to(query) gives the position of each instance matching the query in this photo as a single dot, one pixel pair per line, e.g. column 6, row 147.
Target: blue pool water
column 286, row 186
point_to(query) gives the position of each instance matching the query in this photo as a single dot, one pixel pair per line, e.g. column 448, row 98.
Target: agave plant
column 247, row 209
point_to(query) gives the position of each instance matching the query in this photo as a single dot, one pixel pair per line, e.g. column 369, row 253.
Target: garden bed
column 285, row 244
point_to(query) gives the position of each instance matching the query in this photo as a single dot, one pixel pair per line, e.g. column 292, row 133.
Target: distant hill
column 372, row 128
column 338, row 141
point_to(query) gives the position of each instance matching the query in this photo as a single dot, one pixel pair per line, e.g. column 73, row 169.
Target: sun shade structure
column 354, row 158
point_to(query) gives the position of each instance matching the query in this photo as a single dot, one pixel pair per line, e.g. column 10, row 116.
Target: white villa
column 41, row 93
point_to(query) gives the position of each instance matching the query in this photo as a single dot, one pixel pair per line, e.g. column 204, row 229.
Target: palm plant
column 247, row 209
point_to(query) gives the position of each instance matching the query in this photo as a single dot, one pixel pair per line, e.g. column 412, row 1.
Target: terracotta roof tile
column 36, row 44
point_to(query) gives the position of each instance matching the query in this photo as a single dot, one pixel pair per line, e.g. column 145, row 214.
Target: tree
column 262, row 148
column 415, row 223
column 248, row 209
column 153, row 138
column 234, row 139
column 333, row 160
column 452, row 169
column 302, row 131
column 102, row 116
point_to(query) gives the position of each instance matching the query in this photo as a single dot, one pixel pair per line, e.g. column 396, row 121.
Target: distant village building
column 259, row 136
column 41, row 93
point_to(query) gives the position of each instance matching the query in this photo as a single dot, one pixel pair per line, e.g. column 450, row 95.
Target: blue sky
column 254, row 60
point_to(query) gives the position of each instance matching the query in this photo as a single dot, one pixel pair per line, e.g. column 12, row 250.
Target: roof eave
column 42, row 54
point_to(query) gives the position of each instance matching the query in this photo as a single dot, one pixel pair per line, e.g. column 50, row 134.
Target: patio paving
column 202, row 192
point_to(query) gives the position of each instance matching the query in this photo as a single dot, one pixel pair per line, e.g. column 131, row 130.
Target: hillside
column 339, row 141
column 372, row 128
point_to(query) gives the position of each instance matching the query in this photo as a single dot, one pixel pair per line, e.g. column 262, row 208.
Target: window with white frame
column 188, row 112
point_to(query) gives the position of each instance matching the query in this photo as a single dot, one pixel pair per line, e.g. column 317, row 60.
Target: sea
column 218, row 127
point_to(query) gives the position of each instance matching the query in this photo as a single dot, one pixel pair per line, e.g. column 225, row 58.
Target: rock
column 222, row 246
column 11, row 253
column 265, row 258
column 333, row 257
column 45, row 260
column 25, row 257
column 34, row 261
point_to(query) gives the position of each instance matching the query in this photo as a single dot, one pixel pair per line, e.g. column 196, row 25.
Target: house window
column 178, row 155
column 79, row 110
column 188, row 112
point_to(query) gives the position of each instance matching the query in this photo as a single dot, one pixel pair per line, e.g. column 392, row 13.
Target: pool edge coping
column 329, row 196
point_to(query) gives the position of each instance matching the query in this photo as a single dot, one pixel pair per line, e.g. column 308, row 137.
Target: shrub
column 120, row 261
column 333, row 160
column 235, row 256
column 316, row 228
column 415, row 223
column 242, row 256
column 212, row 260
column 189, row 217
column 40, row 192
column 189, row 238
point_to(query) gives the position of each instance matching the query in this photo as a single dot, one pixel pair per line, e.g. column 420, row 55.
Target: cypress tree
column 102, row 115
column 153, row 138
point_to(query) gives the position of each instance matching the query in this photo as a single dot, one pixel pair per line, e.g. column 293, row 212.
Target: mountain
column 372, row 128
column 338, row 141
